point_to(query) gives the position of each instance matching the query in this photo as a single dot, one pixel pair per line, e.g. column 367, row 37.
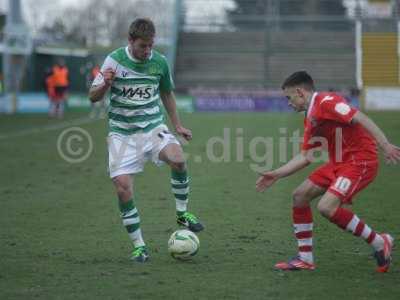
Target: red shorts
column 345, row 179
column 60, row 92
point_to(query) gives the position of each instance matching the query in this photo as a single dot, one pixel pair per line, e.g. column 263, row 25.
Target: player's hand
column 265, row 181
column 184, row 132
column 391, row 153
column 108, row 75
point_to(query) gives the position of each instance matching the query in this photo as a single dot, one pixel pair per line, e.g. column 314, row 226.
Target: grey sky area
column 40, row 12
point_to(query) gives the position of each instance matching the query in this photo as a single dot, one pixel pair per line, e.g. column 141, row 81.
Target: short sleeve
column 166, row 81
column 108, row 63
column 336, row 108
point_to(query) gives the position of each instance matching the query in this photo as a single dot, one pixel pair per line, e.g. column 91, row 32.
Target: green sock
column 131, row 221
column 180, row 189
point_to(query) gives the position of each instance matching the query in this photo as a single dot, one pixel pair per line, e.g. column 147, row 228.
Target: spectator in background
column 61, row 83
column 50, row 91
column 98, row 110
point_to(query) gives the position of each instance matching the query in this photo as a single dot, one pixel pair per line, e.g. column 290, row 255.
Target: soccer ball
column 183, row 244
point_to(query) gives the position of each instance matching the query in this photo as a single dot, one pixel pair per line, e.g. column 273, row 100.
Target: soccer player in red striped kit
column 351, row 138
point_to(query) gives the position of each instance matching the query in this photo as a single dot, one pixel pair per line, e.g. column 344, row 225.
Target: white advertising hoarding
column 382, row 98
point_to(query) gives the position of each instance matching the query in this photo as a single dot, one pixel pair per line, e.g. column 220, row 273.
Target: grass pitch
column 61, row 236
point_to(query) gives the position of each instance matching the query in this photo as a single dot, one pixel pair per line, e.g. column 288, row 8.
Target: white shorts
column 127, row 154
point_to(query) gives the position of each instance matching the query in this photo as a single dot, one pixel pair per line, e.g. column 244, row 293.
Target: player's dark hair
column 142, row 28
column 300, row 78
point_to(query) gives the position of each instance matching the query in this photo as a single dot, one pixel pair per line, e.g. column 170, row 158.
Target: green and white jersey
column 135, row 92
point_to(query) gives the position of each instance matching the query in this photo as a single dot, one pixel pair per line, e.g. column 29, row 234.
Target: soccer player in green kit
column 138, row 77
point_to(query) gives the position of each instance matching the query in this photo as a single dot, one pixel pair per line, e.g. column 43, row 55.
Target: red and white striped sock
column 347, row 220
column 303, row 226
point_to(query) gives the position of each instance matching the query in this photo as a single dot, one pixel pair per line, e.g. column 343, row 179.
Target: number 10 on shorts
column 342, row 184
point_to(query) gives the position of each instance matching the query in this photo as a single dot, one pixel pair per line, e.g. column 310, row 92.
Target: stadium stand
column 261, row 59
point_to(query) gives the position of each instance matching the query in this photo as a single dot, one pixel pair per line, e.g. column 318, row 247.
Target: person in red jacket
column 50, row 91
column 351, row 139
column 61, row 84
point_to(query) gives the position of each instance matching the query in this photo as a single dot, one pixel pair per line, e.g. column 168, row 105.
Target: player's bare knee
column 298, row 197
column 124, row 193
column 177, row 161
column 178, row 158
column 123, row 188
column 325, row 208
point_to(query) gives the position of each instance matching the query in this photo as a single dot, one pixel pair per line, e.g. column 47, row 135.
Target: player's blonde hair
column 142, row 28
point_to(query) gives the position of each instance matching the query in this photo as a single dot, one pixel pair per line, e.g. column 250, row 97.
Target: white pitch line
column 62, row 125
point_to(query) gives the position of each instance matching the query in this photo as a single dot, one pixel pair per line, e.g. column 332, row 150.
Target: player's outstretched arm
column 168, row 99
column 390, row 151
column 267, row 179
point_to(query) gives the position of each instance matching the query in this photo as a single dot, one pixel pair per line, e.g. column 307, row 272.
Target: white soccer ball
column 183, row 244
